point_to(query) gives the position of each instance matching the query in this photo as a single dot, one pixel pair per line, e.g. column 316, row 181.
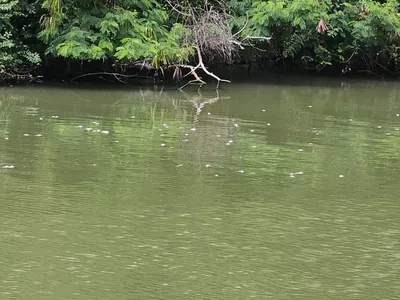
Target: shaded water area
column 266, row 191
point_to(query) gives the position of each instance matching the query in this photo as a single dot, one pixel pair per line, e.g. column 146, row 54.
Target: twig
column 202, row 67
column 105, row 73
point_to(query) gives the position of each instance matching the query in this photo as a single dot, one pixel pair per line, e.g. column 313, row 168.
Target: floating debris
column 309, row 106
column 341, row 176
column 88, row 129
column 379, row 127
column 241, row 171
column 9, row 167
column 193, row 129
column 26, row 134
column 54, row 117
column 209, row 114
column 41, row 119
column 218, row 135
column 251, row 130
column 105, row 132
column 254, row 146
column 388, row 133
column 216, row 175
column 186, row 140
column 180, row 127
column 351, row 120
column 397, row 129
column 79, row 126
column 207, row 165
column 230, row 141
column 95, row 123
column 133, row 117
column 180, row 165
column 38, row 134
column 268, row 124
column 165, row 125
column 397, row 115
column 299, row 173
column 97, row 130
column 163, row 145
column 236, row 125
column 300, row 150
column 263, row 110
column 6, row 138
column 187, row 134
column 291, row 175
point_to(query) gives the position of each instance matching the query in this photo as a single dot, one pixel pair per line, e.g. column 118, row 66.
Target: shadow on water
column 259, row 191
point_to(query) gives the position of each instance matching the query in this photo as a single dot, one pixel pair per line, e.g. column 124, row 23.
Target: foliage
column 358, row 34
column 15, row 53
column 125, row 31
column 367, row 28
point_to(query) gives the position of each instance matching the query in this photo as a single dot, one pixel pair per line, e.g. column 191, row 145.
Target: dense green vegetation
column 115, row 35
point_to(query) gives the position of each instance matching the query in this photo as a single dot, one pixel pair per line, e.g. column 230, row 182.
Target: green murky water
column 273, row 191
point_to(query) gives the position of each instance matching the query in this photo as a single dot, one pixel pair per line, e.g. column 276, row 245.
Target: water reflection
column 261, row 191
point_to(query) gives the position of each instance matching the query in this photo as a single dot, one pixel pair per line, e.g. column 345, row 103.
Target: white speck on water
column 251, row 130
column 97, row 130
column 41, row 119
column 9, row 167
column 26, row 134
column 263, row 110
column 186, row 134
column 216, row 175
column 79, row 126
column 230, row 141
column 193, row 129
column 341, row 176
column 309, row 106
column 397, row 129
column 300, row 150
column 163, row 145
column 54, row 117
column 105, row 132
column 397, row 115
column 388, row 133
column 116, row 141
column 161, row 134
column 207, row 165
column 350, row 120
column 180, row 127
column 38, row 134
column 209, row 114
column 132, row 117
column 254, row 146
column 165, row 125
column 236, row 125
column 241, row 171
column 218, row 135
column 379, row 127
column 88, row 129
column 180, row 165
column 6, row 138
column 291, row 175
column 186, row 140
column 228, row 144
column 299, row 173
column 268, row 124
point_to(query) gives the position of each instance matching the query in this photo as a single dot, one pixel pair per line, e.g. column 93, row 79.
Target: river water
column 280, row 190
